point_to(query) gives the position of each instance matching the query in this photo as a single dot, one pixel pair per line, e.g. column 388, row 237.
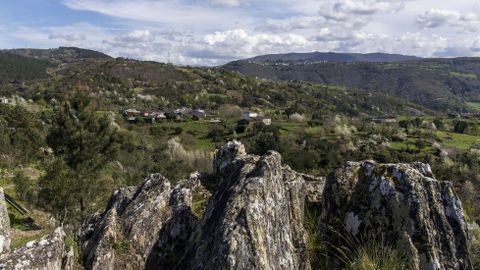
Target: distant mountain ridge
column 439, row 84
column 58, row 55
column 316, row 57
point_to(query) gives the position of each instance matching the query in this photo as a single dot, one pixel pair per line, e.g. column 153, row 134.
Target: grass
column 469, row 76
column 199, row 204
column 473, row 106
column 458, row 141
column 22, row 241
column 287, row 126
column 198, row 130
column 372, row 256
column 367, row 253
column 475, row 247
column 315, row 130
column 121, row 246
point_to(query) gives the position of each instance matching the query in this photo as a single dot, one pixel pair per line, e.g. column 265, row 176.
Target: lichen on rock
column 402, row 204
column 4, row 225
column 44, row 254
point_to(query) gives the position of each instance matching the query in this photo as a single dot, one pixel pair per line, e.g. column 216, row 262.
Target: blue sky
column 212, row 32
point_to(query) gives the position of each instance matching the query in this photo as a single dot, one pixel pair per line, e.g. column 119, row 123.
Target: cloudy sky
column 212, row 32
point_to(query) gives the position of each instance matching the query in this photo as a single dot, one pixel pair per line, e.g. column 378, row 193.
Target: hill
column 439, row 84
column 330, row 56
column 121, row 82
column 59, row 55
column 18, row 68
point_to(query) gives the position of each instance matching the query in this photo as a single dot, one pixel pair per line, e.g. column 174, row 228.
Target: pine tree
column 86, row 141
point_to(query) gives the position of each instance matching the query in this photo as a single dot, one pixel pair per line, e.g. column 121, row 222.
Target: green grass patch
column 22, row 241
column 458, row 141
column 287, row 127
column 315, row 130
column 473, row 106
column 468, row 76
column 121, row 246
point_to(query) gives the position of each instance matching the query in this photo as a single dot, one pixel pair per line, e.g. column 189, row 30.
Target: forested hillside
column 122, row 82
column 439, row 84
column 59, row 55
column 301, row 58
column 17, row 68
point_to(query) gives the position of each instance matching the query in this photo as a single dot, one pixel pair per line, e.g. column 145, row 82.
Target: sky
column 213, row 32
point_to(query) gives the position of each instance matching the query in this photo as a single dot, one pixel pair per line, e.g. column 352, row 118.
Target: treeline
column 17, row 68
column 21, row 137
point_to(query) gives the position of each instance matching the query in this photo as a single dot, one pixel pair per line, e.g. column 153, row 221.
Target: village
column 246, row 120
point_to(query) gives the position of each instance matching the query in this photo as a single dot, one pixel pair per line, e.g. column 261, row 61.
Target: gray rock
column 124, row 235
column 254, row 219
column 44, row 254
column 402, row 204
column 4, row 225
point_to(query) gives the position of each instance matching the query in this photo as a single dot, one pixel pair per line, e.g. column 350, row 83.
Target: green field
column 459, row 141
column 473, row 106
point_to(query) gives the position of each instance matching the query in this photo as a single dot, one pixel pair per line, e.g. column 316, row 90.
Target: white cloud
column 176, row 12
column 212, row 32
column 136, row 36
column 67, row 37
column 342, row 10
column 434, row 18
column 226, row 3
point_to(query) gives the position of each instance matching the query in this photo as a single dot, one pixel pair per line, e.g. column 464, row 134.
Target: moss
column 121, row 246
column 199, row 204
column 22, row 241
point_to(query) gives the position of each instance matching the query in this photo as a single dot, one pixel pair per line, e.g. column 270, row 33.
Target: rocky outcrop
column 255, row 216
column 4, row 225
column 44, row 254
column 124, row 235
column 402, row 204
column 254, row 220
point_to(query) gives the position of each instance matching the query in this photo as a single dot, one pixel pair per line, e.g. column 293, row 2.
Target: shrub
column 475, row 246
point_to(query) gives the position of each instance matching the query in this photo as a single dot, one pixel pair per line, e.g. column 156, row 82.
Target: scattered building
column 153, row 116
column 249, row 119
column 198, row 115
column 249, row 115
column 385, row 120
column 5, row 100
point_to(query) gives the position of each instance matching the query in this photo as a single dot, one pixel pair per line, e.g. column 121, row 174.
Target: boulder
column 4, row 225
column 44, row 254
column 404, row 206
column 123, row 236
column 254, row 219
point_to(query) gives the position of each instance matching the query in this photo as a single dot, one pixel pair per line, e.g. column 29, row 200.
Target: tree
column 58, row 189
column 84, row 142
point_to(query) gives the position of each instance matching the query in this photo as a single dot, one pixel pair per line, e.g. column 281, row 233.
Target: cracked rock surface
column 404, row 205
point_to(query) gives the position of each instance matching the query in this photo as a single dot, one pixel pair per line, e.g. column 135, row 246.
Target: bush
column 25, row 187
column 475, row 246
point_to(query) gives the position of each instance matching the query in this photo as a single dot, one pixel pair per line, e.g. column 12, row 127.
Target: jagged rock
column 67, row 261
column 314, row 187
column 402, row 204
column 4, row 225
column 44, row 254
column 254, row 220
column 151, row 222
column 132, row 221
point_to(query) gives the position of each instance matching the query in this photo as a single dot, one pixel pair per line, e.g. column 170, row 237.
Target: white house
column 249, row 115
